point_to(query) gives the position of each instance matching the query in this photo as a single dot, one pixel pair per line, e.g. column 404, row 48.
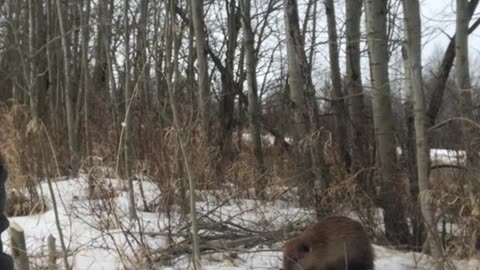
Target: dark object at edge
column 6, row 262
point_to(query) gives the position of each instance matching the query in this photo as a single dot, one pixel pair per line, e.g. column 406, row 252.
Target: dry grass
column 22, row 160
column 158, row 160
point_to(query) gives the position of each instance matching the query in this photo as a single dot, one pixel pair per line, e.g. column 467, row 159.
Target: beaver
column 334, row 243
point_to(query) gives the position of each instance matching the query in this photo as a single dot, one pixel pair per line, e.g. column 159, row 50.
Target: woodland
column 178, row 131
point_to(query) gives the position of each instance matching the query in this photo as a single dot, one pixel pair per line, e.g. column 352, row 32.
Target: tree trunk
column 10, row 55
column 72, row 133
column 408, row 142
column 360, row 123
column 32, row 83
column 339, row 99
column 41, row 58
column 171, row 67
column 100, row 79
column 200, row 40
column 114, row 101
column 227, row 99
column 469, row 133
column 103, row 70
column 50, row 57
column 391, row 197
column 128, row 144
column 414, row 48
column 191, row 62
column 85, row 77
column 141, row 71
column 253, row 104
column 313, row 42
column 302, row 113
column 162, row 96
column 443, row 71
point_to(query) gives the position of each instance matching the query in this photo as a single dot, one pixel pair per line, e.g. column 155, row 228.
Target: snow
column 95, row 238
column 267, row 139
column 444, row 156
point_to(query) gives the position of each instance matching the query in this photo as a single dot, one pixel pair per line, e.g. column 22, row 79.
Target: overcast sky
column 438, row 25
column 438, row 18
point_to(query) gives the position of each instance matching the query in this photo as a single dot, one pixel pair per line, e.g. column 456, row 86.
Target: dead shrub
column 23, row 159
column 20, row 204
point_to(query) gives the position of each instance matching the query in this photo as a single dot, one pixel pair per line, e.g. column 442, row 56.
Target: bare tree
column 103, row 31
column 469, row 132
column 300, row 95
column 10, row 56
column 443, row 71
column 128, row 143
column 171, row 55
column 253, row 104
column 227, row 99
column 200, row 41
column 339, row 99
column 32, row 82
column 51, row 54
column 191, row 60
column 72, row 133
column 396, row 227
column 414, row 56
column 141, row 69
column 85, row 82
column 358, row 114
column 102, row 76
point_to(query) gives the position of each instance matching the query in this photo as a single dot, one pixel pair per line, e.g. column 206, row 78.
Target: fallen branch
column 232, row 243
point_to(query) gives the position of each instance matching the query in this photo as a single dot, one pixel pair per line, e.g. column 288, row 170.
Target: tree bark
column 203, row 84
column 85, row 77
column 408, row 143
column 253, row 103
column 360, row 122
column 100, row 70
column 40, row 58
column 391, row 197
column 469, row 133
column 191, row 62
column 414, row 48
column 128, row 144
column 228, row 92
column 298, row 78
column 141, row 70
column 339, row 99
column 443, row 70
column 32, row 84
column 173, row 76
column 50, row 57
column 72, row 133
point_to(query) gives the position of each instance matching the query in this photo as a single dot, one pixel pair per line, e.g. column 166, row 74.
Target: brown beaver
column 335, row 243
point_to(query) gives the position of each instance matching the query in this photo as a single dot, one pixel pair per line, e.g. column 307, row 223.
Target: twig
column 240, row 243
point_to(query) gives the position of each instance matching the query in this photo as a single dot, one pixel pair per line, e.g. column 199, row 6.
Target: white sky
column 438, row 23
column 438, row 19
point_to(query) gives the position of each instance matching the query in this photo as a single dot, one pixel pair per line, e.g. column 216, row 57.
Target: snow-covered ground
column 444, row 156
column 93, row 247
column 95, row 237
